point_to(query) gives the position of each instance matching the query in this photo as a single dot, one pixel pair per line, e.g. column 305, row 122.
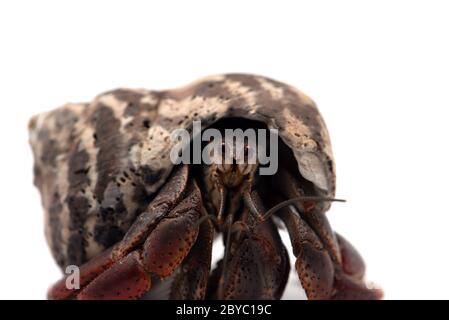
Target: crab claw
column 88, row 271
column 170, row 243
column 126, row 279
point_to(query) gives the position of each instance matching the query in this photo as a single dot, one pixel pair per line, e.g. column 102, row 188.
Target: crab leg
column 191, row 281
column 349, row 282
column 258, row 264
column 126, row 279
column 352, row 263
column 102, row 269
column 321, row 277
column 88, row 271
column 348, row 288
column 255, row 270
column 112, row 276
column 317, row 220
column 313, row 263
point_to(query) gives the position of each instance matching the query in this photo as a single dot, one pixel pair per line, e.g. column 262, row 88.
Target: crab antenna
column 288, row 202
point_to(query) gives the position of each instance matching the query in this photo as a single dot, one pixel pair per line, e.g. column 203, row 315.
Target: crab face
column 234, row 171
column 117, row 206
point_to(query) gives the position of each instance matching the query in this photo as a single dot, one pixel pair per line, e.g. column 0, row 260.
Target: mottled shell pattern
column 97, row 164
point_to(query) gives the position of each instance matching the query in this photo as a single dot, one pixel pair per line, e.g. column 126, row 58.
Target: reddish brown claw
column 168, row 242
column 88, row 271
column 126, row 279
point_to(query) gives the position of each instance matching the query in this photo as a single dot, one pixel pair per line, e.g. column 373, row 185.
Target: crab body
column 117, row 206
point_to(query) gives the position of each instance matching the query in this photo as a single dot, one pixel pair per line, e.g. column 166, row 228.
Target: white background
column 378, row 70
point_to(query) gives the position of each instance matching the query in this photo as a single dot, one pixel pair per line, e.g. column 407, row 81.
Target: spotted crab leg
column 125, row 271
column 258, row 264
column 317, row 220
column 321, row 275
column 190, row 283
column 313, row 263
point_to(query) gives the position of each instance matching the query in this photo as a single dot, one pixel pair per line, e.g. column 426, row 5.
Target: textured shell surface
column 97, row 164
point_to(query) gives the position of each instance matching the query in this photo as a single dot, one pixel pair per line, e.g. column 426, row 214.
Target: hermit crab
column 119, row 207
